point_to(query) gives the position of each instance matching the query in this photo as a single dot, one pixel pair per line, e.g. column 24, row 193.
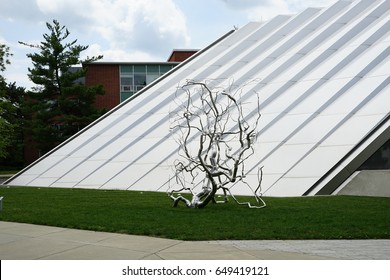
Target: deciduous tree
column 11, row 117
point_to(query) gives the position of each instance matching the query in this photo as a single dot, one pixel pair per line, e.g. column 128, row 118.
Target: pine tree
column 59, row 105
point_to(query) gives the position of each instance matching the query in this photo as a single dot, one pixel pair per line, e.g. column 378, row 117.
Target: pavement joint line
column 168, row 247
column 61, row 252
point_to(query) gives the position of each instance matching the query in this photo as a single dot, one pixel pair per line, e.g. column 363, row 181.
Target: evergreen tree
column 4, row 58
column 59, row 105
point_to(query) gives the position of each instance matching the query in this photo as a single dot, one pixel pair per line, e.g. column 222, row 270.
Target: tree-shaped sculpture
column 215, row 139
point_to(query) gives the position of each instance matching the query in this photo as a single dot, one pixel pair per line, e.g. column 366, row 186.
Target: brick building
column 122, row 79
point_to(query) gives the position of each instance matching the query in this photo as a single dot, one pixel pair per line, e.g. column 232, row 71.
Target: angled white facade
column 323, row 80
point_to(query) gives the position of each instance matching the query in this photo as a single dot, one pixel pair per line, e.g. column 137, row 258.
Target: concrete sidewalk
column 29, row 242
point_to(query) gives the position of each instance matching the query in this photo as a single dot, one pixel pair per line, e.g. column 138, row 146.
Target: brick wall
column 179, row 56
column 108, row 76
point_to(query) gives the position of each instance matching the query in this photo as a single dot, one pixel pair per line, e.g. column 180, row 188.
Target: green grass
column 149, row 213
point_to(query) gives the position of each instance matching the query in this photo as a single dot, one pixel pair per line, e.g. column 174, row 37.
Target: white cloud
column 119, row 55
column 3, row 41
column 47, row 6
column 17, row 71
column 147, row 25
column 246, row 4
column 137, row 25
column 268, row 11
column 157, row 26
column 21, row 9
column 260, row 10
column 299, row 5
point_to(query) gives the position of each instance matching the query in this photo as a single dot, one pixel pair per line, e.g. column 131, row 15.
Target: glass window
column 139, row 68
column 153, row 69
column 127, row 83
column 125, row 95
column 127, row 80
column 139, row 79
column 151, row 78
column 165, row 68
column 126, row 68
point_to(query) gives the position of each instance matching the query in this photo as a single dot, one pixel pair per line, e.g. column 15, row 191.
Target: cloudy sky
column 131, row 30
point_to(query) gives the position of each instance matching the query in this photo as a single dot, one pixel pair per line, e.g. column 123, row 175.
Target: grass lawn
column 150, row 213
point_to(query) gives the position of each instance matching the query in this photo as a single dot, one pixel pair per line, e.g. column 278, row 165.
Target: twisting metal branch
column 215, row 139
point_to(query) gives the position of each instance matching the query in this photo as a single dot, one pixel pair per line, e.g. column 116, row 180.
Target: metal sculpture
column 215, row 139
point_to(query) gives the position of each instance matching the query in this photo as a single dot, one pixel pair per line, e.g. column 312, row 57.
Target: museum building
column 321, row 79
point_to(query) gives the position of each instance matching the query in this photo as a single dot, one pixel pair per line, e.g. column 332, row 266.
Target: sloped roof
column 323, row 81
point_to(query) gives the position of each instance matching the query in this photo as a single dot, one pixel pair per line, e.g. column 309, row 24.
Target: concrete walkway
column 29, row 242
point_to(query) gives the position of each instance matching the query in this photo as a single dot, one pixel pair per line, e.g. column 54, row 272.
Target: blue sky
column 131, row 30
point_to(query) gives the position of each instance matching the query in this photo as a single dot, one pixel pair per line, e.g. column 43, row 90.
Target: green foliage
column 6, row 130
column 4, row 57
column 11, row 117
column 59, row 105
column 150, row 213
column 11, row 112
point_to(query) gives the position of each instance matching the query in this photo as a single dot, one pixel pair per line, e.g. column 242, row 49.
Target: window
column 127, row 69
column 153, row 69
column 139, row 68
column 127, row 83
column 150, row 78
column 165, row 68
column 139, row 81
column 125, row 95
column 134, row 77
